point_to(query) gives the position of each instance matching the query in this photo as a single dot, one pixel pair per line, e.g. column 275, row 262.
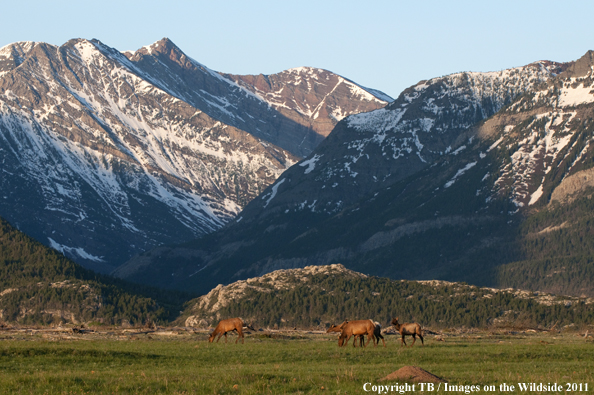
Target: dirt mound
column 413, row 373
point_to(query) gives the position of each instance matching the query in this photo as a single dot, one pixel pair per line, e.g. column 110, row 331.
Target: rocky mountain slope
column 420, row 189
column 293, row 109
column 315, row 98
column 318, row 296
column 105, row 155
column 373, row 150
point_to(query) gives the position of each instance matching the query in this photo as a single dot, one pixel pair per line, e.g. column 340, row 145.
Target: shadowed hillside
column 38, row 285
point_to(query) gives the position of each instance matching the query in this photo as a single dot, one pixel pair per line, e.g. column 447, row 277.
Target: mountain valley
column 476, row 177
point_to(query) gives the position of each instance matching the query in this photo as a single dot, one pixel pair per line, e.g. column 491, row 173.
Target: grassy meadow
column 279, row 363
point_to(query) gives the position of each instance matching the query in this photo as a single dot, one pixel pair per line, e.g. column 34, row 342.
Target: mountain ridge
column 98, row 147
column 293, row 85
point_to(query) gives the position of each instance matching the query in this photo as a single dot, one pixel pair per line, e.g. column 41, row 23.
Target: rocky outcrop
column 222, row 295
column 573, row 185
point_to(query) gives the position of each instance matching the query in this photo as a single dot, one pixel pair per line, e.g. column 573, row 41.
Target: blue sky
column 386, row 45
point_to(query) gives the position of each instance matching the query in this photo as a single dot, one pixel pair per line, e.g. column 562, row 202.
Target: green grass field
column 283, row 364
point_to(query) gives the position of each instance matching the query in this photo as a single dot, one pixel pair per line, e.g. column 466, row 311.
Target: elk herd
column 356, row 329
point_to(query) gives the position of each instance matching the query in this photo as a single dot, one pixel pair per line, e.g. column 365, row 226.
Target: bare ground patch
column 413, row 373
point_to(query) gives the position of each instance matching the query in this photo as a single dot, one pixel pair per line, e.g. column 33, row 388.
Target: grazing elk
column 356, row 328
column 335, row 328
column 228, row 325
column 413, row 329
column 377, row 333
column 338, row 329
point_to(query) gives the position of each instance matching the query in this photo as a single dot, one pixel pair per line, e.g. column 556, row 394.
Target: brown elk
column 228, row 325
column 338, row 329
column 335, row 328
column 377, row 333
column 356, row 328
column 412, row 329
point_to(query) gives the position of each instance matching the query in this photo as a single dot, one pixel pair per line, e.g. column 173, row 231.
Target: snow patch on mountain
column 459, row 173
column 78, row 251
column 273, row 192
column 536, row 195
column 310, row 164
column 574, row 96
column 540, row 142
column 381, row 121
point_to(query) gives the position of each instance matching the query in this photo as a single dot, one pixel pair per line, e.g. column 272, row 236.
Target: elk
column 338, row 329
column 335, row 328
column 377, row 333
column 356, row 328
column 228, row 325
column 412, row 329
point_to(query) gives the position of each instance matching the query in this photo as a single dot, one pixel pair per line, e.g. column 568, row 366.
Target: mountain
column 476, row 177
column 40, row 286
column 312, row 97
column 319, row 296
column 373, row 150
column 106, row 154
column 294, row 109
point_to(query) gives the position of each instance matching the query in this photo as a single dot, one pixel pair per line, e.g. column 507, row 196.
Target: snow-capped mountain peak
column 107, row 153
column 103, row 149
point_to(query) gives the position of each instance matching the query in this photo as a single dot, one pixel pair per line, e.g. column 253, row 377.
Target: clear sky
column 382, row 44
